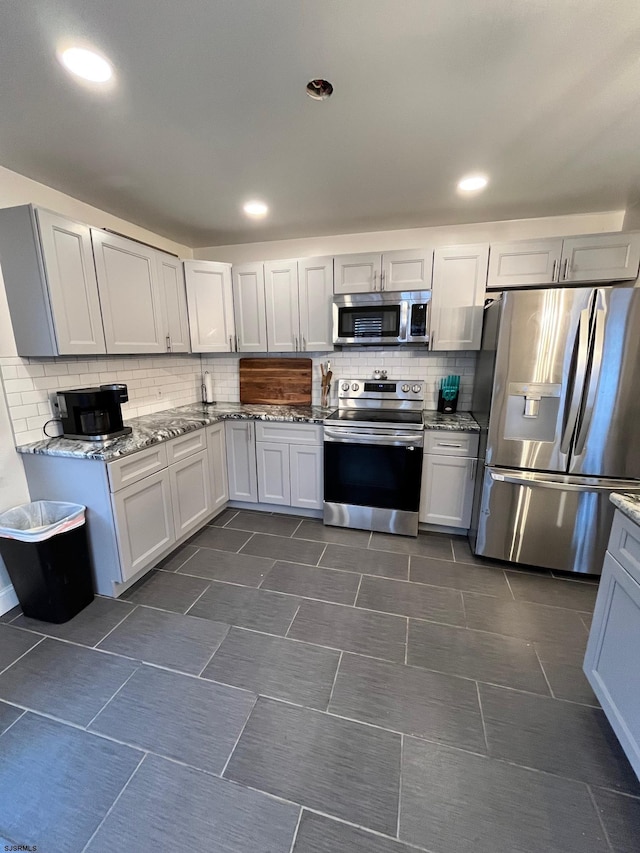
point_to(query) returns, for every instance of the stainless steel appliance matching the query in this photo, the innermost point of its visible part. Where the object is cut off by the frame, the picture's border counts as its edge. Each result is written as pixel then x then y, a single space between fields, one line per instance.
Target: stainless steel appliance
pixel 557 397
pixel 93 414
pixel 373 456
pixel 383 318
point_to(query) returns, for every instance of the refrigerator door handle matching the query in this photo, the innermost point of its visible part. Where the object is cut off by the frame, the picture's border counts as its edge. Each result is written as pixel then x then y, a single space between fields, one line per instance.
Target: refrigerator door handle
pixel 576 484
pixel 578 380
pixel 594 379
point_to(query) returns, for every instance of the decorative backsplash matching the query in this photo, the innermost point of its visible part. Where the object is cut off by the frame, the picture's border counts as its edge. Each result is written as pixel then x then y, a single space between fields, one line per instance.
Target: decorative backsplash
pixel 399 364
pixel 155 382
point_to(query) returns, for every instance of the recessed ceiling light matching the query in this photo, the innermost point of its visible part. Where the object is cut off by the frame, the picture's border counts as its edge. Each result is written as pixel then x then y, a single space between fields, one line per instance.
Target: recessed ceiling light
pixel 319 89
pixel 472 183
pixel 86 64
pixel 256 209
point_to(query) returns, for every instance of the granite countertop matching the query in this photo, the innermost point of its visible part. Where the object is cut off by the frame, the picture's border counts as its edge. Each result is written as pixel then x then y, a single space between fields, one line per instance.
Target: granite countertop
pixel 457 422
pixel 170 423
pixel 628 504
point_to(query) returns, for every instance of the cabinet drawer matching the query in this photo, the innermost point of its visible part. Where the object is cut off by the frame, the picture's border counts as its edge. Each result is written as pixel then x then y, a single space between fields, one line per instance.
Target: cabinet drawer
pixel 450 443
pixel 123 472
pixel 186 445
pixel 289 433
pixel 624 544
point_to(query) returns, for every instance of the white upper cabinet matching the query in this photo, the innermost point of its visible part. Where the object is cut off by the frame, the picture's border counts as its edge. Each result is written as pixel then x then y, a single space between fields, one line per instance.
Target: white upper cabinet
pixel 525 263
pixel 315 294
pixel 590 258
pixel 249 307
pixel 459 277
pixel 130 294
pixel 601 257
pixel 210 301
pixel 357 273
pixel 408 269
pixel 174 302
pixel 281 298
pixel 50 281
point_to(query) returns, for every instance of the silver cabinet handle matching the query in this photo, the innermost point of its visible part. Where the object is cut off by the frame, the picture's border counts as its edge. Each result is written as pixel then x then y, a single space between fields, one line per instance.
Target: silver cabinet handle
pixel 375 278
pixel 432 342
pixel 382 280
pixel 565 269
pixel 296 340
pixel 554 270
pixel 237 343
pixel 168 342
pixel 472 474
pixel 230 343
pixel 304 343
pixel 447 444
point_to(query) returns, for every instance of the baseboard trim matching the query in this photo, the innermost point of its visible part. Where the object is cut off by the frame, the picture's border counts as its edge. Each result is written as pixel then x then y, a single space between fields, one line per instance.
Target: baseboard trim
pixel 8 599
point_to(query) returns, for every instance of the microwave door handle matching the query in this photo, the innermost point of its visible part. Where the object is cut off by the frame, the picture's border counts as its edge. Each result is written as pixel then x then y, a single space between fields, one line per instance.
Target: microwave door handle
pixel 594 379
pixel 577 381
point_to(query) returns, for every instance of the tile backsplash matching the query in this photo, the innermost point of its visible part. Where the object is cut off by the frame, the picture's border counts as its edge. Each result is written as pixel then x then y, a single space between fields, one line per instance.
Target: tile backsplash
pixel 399 364
pixel 154 381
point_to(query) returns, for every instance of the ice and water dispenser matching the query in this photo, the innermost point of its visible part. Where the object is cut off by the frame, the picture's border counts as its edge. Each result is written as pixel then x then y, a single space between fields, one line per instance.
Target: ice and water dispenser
pixel 532 411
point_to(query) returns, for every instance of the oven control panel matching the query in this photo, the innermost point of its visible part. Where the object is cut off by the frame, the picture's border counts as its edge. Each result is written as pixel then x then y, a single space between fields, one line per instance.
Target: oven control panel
pixel 381 389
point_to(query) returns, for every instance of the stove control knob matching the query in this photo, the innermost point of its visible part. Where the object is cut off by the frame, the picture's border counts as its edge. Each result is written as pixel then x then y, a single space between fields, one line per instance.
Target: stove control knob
pixel 406 389
pixel 416 389
pixel 355 386
pixel 345 386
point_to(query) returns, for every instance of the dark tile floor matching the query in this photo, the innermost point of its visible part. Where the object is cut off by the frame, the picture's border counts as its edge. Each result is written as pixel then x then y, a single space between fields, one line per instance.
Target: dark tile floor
pixel 281 687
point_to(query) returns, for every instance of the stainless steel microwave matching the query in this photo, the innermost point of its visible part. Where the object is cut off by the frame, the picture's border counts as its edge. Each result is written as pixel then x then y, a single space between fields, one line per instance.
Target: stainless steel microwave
pixel 381 319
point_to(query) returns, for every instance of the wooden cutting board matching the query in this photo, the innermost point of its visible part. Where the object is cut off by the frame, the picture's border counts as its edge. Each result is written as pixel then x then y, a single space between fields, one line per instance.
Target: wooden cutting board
pixel 276 381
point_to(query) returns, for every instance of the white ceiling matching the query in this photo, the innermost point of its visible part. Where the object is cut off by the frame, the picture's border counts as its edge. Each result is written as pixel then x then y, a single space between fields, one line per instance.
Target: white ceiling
pixel 209 109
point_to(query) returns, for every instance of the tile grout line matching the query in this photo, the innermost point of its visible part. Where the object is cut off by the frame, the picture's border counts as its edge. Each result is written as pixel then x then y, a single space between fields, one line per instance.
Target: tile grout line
pixel 335 679
pixel 295 831
pixel 14 662
pixel 506 577
pixel 406 644
pixel 102 639
pixel 400 786
pixel 484 727
pixel 191 606
pixel 226 764
pixel 199 675
pixel 297 528
pixel 108 702
pixel 357 591
pixel 190 557
pixel 544 672
pixel 19 717
pixel 599 816
pixel 113 804
pixel 326 545
pixel 292 620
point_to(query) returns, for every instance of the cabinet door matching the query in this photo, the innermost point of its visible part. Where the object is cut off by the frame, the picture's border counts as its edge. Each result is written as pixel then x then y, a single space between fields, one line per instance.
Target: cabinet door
pixel 218 464
pixel 459 277
pixel 190 492
pixel 614 635
pixel 274 479
pixel 306 476
pixel 174 303
pixel 73 287
pixel 315 290
pixel 249 308
pixel 524 263
pixel 446 492
pixel 241 461
pixel 409 269
pixel 281 298
pixel 210 301
pixel 130 294
pixel 357 273
pixel 144 522
pixel 601 257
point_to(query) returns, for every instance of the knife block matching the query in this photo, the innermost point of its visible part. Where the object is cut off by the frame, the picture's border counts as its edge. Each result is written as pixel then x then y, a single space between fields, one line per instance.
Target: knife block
pixel 447 407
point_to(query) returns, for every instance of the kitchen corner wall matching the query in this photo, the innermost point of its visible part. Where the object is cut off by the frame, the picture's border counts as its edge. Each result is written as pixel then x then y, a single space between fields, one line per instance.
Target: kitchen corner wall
pixel 154 383
pixel 359 363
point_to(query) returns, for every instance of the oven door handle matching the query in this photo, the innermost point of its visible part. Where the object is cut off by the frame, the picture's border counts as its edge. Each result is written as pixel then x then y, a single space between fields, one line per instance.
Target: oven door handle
pixel 344 436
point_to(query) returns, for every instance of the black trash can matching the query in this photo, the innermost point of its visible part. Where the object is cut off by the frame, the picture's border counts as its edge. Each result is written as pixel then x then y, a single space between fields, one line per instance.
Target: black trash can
pixel 44 547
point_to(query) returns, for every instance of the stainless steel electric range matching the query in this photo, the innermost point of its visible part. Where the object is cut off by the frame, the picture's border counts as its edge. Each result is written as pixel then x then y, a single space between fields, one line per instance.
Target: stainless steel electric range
pixel 373 456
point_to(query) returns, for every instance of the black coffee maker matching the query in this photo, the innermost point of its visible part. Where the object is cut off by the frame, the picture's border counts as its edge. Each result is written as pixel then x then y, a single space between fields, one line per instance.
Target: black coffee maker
pixel 93 414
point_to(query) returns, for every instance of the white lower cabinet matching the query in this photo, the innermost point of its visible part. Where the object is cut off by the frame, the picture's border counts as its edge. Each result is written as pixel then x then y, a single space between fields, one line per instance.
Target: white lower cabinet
pixel 305 466
pixel 190 492
pixel 448 474
pixel 241 461
pixel 217 449
pixel 274 473
pixel 144 522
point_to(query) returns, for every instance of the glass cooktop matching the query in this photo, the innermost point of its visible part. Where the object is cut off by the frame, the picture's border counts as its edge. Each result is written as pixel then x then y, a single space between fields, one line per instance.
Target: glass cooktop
pixel 375 416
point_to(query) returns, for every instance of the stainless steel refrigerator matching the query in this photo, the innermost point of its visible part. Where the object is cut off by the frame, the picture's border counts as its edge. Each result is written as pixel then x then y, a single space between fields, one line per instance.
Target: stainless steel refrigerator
pixel 557 395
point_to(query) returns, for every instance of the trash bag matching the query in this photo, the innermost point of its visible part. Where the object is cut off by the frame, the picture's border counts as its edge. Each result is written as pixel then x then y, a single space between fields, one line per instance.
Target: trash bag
pixel 40 520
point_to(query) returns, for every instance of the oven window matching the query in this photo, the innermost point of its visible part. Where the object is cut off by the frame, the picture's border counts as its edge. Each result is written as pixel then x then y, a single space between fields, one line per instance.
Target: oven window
pixel 372 321
pixel 372 475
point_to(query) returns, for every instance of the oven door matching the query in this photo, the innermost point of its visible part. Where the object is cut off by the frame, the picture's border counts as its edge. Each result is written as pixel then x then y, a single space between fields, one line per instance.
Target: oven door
pixel 373 468
pixel 362 324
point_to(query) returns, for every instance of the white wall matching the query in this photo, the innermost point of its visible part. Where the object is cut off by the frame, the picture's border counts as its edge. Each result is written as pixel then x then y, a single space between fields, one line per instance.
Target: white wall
pixel 184 372
pixel 412 238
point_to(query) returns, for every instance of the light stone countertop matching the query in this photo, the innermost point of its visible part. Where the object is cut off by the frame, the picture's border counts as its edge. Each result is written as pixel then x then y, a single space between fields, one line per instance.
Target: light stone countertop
pixel 628 504
pixel 457 422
